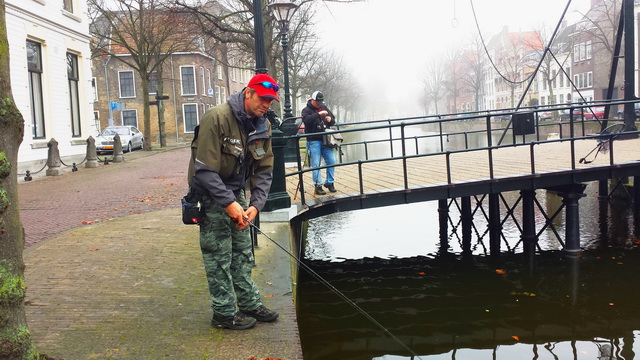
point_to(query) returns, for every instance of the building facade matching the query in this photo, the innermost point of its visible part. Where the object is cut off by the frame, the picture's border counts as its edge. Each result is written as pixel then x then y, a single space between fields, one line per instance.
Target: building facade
pixel 51 78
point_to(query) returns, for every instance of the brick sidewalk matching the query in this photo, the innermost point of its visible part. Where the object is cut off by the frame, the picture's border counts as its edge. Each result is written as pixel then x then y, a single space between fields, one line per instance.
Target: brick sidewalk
pixel 120 277
pixel 145 181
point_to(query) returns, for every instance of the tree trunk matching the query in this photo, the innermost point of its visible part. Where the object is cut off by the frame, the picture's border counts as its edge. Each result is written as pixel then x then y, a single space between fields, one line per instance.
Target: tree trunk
pixel 160 92
pixel 144 84
pixel 15 339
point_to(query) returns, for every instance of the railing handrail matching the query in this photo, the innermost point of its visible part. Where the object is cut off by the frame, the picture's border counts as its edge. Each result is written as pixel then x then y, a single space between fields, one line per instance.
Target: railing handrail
pixel 489 129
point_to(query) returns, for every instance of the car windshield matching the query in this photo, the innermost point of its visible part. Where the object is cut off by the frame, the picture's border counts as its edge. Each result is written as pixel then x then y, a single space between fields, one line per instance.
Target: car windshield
pixel 113 131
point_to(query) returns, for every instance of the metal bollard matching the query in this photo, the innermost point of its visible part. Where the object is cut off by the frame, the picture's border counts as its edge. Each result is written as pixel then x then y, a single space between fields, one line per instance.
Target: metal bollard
pixel 118 156
pixel 92 153
pixel 53 159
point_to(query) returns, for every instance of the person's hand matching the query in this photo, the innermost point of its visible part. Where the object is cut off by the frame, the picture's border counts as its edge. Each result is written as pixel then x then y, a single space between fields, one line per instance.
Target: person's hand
pixel 237 214
pixel 323 113
pixel 251 212
pixel 327 118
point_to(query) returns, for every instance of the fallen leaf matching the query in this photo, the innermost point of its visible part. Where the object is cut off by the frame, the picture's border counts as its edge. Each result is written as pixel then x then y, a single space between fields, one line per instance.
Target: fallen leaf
pixel 500 272
pixel 516 338
pixel 269 296
pixel 93 249
pixel 421 273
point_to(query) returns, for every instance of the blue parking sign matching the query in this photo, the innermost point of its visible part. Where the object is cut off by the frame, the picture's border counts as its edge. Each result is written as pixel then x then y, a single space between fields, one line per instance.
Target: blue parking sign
pixel 114 104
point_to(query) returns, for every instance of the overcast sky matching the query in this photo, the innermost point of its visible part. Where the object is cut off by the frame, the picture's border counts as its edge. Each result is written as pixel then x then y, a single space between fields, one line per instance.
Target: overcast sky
pixel 392 40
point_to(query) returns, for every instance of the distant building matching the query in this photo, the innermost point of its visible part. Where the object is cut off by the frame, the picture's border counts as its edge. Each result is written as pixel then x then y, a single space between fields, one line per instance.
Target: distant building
pixel 51 77
pixel 196 76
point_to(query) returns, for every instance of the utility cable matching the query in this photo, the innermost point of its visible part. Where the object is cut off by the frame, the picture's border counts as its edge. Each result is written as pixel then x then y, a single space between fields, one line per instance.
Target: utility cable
pixel 337 292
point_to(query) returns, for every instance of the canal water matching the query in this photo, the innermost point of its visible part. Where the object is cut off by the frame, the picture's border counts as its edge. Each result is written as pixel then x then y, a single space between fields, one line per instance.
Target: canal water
pixel 415 299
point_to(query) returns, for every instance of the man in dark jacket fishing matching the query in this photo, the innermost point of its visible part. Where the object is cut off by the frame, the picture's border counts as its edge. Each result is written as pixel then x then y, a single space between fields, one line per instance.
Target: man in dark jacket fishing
pixel 233 147
pixel 316 117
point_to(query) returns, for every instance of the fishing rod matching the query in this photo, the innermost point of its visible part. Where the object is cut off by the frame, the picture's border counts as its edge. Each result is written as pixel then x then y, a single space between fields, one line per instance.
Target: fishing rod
pixel 337 292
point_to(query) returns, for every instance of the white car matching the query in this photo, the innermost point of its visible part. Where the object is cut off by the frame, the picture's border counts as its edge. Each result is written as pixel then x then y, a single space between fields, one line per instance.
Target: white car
pixel 130 138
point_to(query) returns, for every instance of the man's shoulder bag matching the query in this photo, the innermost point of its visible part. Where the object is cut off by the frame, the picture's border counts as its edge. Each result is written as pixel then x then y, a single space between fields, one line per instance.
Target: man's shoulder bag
pixel 332 140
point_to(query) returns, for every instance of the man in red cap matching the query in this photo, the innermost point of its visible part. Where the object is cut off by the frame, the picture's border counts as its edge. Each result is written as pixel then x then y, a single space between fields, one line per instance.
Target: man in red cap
pixel 231 151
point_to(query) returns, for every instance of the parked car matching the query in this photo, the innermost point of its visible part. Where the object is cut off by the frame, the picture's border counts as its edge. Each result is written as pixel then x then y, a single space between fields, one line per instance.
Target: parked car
pixel 636 107
pixel 545 115
pixel 589 113
pixel 130 138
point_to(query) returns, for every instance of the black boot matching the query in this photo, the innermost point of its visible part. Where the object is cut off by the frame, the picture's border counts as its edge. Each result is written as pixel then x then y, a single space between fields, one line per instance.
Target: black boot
pixel 319 190
pixel 239 321
pixel 330 187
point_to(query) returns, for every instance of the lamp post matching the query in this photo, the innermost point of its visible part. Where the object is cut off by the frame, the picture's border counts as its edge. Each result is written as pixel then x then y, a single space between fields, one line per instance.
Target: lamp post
pixel 283 11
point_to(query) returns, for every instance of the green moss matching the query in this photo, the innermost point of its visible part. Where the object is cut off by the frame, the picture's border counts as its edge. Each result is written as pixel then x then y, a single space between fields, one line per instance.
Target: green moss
pixel 4 200
pixel 5 166
pixel 12 289
pixel 16 343
pixel 9 114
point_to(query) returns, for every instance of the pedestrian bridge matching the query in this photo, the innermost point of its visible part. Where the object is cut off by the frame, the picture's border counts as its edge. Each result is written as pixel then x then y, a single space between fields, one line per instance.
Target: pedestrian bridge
pixel 409 160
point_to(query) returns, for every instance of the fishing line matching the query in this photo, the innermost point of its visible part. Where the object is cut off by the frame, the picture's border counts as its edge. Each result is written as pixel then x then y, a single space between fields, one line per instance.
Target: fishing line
pixel 337 292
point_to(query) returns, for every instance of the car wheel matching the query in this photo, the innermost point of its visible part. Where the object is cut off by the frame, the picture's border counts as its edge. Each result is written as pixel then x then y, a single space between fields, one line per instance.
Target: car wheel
pixel 129 147
pixel 141 144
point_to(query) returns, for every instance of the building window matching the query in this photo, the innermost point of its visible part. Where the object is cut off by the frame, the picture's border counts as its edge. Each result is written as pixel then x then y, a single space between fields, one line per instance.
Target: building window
pixel 223 90
pixel 218 101
pixel 127 87
pixel 209 88
pixel 219 70
pixel 67 5
pixel 190 115
pixel 153 83
pixel 130 117
pixel 588 49
pixel 188 80
pixel 576 53
pixel 34 64
pixel 204 85
pixel 94 89
pixel 74 102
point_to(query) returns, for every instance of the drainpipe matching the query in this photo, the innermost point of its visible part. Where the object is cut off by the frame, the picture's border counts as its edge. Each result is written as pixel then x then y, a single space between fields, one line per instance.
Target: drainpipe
pixel 106 80
pixel 173 89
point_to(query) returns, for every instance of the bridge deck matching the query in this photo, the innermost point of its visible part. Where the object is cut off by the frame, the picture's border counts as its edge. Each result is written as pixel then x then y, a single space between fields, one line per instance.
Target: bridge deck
pixel 466 167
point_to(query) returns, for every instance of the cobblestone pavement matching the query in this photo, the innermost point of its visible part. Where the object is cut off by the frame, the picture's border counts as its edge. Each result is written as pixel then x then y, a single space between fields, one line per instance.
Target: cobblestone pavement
pixel 145 181
pixel 112 273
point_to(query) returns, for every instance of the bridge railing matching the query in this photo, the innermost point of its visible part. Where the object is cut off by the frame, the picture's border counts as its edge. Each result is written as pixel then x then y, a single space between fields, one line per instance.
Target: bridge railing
pixel 404 144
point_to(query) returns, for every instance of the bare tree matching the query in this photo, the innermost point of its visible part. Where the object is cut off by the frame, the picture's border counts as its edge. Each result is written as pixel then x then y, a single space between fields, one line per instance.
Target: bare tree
pixel 454 72
pixel 434 83
pixel 16 339
pixel 474 64
pixel 147 32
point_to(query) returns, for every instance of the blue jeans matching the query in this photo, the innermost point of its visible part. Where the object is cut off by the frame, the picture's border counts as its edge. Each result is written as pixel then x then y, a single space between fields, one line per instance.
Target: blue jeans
pixel 317 152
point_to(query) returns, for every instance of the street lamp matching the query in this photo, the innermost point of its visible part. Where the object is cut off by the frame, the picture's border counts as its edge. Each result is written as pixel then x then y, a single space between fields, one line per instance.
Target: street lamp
pixel 283 11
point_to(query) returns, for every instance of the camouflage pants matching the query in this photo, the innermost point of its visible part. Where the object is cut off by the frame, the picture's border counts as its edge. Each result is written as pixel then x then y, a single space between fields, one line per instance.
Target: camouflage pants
pixel 228 260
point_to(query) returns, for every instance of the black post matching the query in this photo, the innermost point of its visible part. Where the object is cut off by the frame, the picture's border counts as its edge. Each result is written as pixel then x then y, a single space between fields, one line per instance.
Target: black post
pixel 629 66
pixel 443 217
pixel 572 233
pixel 467 222
pixel 495 226
pixel 287 94
pixel 278 196
pixel 528 222
pixel 258 29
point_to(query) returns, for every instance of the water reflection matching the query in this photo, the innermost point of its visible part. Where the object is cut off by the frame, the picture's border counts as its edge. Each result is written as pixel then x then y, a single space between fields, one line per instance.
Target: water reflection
pixel 443 305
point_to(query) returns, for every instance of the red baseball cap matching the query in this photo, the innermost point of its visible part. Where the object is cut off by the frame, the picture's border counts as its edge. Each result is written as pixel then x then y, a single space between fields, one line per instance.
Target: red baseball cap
pixel 265 86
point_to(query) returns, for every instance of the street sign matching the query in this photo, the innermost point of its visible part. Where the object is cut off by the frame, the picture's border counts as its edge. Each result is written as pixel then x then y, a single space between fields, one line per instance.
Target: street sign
pixel 114 105
pixel 210 91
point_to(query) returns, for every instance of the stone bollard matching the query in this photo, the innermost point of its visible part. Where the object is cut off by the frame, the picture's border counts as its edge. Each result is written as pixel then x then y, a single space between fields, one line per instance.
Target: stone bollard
pixel 53 159
pixel 92 153
pixel 118 156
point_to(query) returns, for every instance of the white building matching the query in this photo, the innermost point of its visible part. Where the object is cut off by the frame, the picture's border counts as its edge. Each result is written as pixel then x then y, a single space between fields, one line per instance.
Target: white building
pixel 51 77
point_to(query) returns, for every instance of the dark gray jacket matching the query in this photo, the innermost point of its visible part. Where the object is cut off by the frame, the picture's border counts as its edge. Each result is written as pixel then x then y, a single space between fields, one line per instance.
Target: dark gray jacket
pixel 313 122
pixel 230 149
